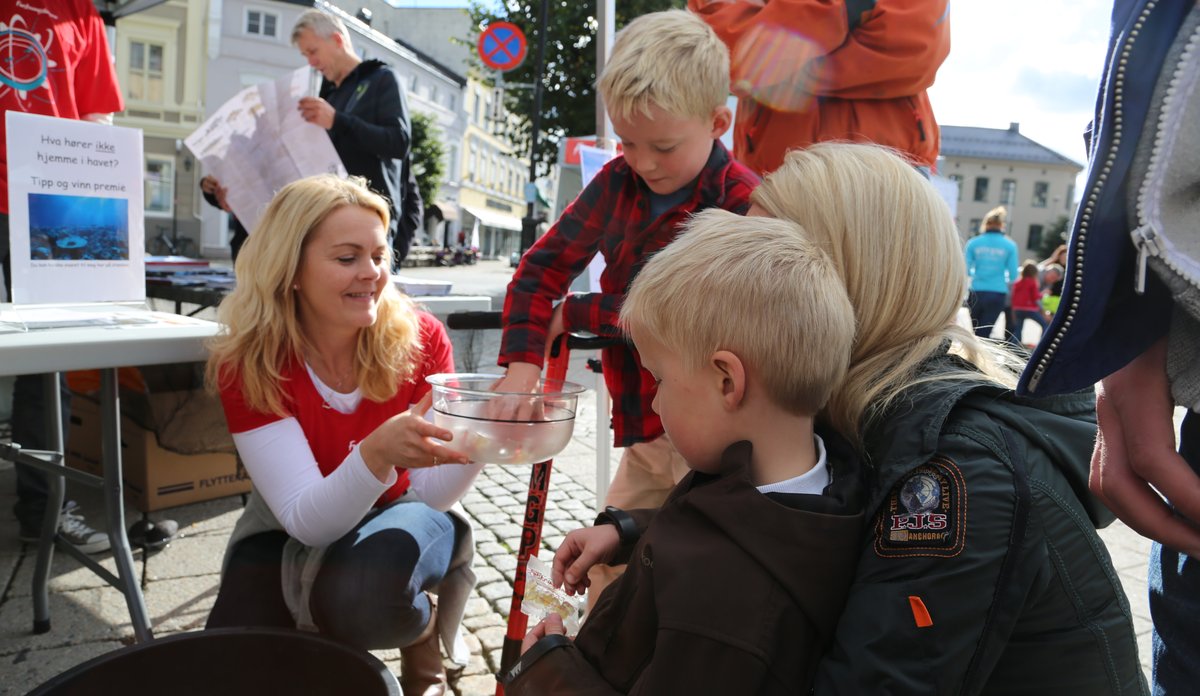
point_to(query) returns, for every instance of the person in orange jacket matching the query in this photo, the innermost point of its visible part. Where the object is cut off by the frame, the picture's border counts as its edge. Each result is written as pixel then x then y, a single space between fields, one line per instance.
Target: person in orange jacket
pixel 806 71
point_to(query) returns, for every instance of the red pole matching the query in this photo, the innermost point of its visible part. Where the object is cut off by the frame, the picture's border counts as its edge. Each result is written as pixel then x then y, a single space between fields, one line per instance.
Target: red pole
pixel 531 533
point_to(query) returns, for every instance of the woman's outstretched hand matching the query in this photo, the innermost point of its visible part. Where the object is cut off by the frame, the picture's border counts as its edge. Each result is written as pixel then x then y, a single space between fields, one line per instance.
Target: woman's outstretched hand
pixel 408 441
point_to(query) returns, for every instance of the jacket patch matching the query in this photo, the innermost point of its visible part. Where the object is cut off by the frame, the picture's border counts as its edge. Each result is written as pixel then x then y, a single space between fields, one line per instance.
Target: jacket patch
pixel 925 513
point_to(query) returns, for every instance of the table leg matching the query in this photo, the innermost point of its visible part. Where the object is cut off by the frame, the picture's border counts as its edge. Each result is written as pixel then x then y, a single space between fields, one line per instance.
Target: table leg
pixel 54 502
pixel 114 504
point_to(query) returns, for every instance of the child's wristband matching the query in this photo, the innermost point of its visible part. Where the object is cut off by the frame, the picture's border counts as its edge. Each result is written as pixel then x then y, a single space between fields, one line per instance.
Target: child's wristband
pixel 627 530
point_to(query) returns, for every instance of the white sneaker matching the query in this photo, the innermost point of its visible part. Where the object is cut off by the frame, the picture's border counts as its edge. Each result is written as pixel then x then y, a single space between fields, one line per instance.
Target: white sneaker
pixel 73 528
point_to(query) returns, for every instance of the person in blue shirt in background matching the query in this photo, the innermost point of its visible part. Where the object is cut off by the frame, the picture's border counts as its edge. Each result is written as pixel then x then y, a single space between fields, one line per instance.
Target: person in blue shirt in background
pixel 992 265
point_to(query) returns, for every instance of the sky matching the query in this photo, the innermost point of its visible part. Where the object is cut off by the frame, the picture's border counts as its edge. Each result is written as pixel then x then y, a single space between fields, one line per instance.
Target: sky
pixel 1035 62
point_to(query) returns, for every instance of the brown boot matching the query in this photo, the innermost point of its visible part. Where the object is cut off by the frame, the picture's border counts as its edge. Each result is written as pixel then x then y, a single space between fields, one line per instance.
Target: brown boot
pixel 421 670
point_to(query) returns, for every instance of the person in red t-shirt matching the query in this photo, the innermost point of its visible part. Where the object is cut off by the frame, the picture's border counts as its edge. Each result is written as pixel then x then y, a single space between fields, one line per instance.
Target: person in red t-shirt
pixel 1027 300
pixel 321 369
pixel 62 68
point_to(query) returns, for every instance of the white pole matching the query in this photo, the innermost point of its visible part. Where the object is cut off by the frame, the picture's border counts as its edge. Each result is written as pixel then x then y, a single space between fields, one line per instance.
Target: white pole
pixel 605 19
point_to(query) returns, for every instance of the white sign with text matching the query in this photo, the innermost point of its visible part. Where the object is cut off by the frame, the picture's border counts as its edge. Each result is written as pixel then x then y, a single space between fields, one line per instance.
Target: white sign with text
pixel 76 219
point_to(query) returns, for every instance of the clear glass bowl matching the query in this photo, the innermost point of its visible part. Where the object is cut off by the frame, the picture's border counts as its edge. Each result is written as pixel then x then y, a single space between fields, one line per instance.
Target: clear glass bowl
pixel 504 427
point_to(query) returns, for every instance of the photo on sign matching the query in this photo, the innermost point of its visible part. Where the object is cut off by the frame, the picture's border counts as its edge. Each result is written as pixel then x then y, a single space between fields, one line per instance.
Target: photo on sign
pixel 78 228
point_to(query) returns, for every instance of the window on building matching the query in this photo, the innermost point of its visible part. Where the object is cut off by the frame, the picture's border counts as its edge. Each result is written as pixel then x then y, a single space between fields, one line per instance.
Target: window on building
pixel 1070 196
pixel 452 173
pixel 957 179
pixel 471 162
pixel 433 93
pixel 451 101
pixel 412 84
pixel 476 104
pixel 1035 237
pixel 146 71
pixel 1008 192
pixel 975 227
pixel 1041 190
pixel 160 186
pixel 981 188
pixel 261 23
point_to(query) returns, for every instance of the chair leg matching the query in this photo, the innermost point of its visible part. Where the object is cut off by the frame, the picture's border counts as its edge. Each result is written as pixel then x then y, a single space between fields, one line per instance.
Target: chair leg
pixel 421 670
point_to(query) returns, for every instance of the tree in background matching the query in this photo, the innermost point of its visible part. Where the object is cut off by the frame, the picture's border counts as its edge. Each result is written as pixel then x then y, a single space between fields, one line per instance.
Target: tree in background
pixel 428 156
pixel 569 77
pixel 1053 236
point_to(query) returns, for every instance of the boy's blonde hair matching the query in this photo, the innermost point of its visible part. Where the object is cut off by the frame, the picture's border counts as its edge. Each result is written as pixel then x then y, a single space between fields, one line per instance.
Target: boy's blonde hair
pixel 669 59
pixel 261 330
pixel 893 242
pixel 995 217
pixel 323 25
pixel 756 287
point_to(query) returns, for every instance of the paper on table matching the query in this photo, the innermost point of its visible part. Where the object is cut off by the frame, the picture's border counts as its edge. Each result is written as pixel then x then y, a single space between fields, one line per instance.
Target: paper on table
pixel 33 317
pixel 257 143
pixel 56 318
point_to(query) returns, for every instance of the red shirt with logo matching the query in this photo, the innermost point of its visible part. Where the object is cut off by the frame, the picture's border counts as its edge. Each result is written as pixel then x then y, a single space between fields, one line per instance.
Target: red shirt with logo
pixel 332 434
pixel 54 61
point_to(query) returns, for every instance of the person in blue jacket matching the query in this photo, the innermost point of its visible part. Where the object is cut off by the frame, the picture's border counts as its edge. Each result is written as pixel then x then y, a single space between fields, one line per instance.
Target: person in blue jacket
pixel 992 265
pixel 1130 310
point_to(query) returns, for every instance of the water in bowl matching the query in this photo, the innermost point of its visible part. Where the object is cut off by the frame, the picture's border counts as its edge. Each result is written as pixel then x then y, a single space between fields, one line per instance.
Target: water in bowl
pixel 504 442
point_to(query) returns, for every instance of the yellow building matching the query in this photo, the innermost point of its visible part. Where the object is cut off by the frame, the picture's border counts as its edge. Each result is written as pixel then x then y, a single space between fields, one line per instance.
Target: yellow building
pixel 161 63
pixel 492 177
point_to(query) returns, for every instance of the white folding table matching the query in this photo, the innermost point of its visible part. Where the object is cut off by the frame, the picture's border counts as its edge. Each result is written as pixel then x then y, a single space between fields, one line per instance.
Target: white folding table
pixel 137 337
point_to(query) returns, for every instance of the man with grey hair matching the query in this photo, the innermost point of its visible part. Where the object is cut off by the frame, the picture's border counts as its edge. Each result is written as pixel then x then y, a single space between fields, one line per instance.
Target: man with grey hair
pixel 362 106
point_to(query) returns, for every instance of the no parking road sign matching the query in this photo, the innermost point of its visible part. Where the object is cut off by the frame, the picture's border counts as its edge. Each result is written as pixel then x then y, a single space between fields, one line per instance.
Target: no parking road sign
pixel 502 46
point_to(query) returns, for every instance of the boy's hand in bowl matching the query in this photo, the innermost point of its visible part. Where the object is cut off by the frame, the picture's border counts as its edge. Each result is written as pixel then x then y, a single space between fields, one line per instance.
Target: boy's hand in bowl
pixel 519 379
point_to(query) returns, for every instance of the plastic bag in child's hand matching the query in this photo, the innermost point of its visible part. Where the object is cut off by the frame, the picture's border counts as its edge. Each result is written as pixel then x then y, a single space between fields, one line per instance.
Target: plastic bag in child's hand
pixel 542 598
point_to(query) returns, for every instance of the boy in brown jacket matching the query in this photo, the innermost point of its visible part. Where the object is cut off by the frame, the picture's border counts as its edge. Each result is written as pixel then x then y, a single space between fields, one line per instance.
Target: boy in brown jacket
pixel 737 583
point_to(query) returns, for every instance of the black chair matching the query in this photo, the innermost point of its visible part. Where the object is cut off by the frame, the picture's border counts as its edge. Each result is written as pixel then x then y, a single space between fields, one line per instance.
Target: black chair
pixel 229 662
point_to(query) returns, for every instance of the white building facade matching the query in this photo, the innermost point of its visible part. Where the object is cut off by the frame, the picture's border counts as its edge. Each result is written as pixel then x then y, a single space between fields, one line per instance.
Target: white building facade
pixel 249 41
pixel 994 167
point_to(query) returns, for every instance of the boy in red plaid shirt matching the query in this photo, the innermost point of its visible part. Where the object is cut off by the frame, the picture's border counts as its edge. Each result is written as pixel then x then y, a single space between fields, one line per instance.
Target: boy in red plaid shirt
pixel 664 88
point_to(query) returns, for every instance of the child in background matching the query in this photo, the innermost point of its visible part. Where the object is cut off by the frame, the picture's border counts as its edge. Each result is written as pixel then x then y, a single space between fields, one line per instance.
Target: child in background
pixel 1027 300
pixel 664 88
pixel 739 580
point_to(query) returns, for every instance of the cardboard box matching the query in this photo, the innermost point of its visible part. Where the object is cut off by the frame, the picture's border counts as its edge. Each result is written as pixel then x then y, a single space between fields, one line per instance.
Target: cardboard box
pixel 154 478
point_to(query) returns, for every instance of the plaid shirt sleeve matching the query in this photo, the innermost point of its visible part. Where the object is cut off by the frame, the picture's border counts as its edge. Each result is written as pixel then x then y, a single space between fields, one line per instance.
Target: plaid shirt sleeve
pixel 547 269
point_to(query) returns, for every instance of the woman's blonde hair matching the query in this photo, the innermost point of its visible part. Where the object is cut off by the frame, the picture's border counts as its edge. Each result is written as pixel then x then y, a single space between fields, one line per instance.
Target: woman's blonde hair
pixel 754 286
pixel 261 331
pixel 669 59
pixel 995 217
pixel 894 244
